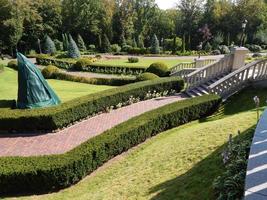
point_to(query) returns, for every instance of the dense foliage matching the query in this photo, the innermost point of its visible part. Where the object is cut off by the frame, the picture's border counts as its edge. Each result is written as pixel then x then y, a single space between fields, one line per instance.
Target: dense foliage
pixel 90 66
pixel 158 68
pixel 49 46
pixel 71 111
pixel 52 72
pixel 231 183
pixel 147 76
pixel 48 173
pixel 131 23
pixel 73 50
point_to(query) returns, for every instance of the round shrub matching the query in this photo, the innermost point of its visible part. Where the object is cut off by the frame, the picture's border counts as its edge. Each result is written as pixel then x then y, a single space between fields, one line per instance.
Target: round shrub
pixel 49 71
pixel 158 68
pixel 133 60
pixel 224 49
pixel 115 48
pixel 216 52
pixel 13 64
pixel 146 76
pixel 81 64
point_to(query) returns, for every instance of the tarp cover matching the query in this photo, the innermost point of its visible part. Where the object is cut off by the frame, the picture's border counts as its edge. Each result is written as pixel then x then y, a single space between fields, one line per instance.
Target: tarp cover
pixel 33 90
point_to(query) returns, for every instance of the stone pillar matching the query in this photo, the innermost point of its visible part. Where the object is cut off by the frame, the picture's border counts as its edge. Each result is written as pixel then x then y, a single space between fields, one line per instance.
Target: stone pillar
pixel 200 62
pixel 239 54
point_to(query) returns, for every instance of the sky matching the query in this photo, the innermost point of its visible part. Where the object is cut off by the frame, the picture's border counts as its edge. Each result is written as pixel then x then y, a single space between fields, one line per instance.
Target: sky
pixel 165 4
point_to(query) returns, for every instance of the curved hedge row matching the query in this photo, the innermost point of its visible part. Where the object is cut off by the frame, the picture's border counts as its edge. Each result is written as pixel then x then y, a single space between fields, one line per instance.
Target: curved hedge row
pixel 48 173
pixel 95 68
pixel 52 118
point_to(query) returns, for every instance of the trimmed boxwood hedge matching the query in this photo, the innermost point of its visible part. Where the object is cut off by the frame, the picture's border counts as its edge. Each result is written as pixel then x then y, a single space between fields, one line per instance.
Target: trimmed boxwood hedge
pixel 52 118
pixel 93 67
pixel 49 173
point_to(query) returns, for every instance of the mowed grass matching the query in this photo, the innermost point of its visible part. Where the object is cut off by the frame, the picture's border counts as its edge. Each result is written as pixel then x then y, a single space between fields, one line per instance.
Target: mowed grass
pixel 143 62
pixel 177 164
pixel 66 90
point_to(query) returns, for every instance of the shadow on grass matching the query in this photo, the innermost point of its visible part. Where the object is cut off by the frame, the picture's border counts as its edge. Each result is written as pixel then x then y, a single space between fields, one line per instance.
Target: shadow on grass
pixel 7 103
pixel 197 182
pixel 240 102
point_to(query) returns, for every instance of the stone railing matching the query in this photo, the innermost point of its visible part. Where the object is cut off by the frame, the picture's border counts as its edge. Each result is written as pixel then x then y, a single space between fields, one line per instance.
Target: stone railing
pixel 209 72
pixel 184 72
pixel 181 66
pixel 191 65
pixel 239 79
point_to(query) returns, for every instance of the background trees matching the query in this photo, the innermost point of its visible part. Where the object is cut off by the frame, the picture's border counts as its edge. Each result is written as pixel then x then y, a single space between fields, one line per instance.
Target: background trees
pixel 129 22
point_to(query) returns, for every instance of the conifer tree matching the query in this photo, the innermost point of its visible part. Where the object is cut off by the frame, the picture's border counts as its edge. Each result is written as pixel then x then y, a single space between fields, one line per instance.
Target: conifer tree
pixel 81 43
pixel 50 47
pixel 155 45
pixel 73 51
pixel 105 46
pixel 140 42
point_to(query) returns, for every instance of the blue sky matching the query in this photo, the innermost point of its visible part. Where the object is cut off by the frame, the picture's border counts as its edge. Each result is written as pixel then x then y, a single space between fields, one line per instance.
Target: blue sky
pixel 165 4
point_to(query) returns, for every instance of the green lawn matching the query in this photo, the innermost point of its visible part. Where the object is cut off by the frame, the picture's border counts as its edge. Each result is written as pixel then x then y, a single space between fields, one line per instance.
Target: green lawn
pixel 143 62
pixel 178 164
pixel 66 90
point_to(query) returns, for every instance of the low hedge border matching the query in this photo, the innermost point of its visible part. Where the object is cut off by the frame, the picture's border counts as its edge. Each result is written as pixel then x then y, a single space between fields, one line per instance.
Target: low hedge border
pixel 49 173
pixel 95 68
pixel 66 113
pixel 120 81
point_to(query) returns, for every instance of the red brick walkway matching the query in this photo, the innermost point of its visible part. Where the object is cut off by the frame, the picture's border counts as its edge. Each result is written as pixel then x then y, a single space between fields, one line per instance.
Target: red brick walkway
pixel 67 139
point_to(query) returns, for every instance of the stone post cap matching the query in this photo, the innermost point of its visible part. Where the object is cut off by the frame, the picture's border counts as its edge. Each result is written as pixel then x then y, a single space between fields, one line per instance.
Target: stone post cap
pixel 239 49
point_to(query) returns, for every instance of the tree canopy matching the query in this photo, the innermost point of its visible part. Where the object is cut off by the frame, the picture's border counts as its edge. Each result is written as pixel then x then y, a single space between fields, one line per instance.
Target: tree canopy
pixel 128 22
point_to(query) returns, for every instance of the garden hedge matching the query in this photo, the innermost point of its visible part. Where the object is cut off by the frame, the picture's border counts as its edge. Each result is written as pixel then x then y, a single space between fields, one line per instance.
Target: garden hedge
pixel 48 173
pixel 93 67
pixel 52 118
pixel 52 72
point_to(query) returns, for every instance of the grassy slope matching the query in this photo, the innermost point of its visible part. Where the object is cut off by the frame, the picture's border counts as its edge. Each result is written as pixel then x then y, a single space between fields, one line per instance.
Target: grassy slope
pixel 145 62
pixel 66 90
pixel 178 164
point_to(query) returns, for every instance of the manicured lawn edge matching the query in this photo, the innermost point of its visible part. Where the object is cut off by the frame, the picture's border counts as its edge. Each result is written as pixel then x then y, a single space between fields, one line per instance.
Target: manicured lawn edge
pixel 95 68
pixel 52 118
pixel 49 173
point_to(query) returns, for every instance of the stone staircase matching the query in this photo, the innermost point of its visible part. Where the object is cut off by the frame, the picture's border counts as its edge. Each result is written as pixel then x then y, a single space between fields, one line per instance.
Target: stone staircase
pixel 223 77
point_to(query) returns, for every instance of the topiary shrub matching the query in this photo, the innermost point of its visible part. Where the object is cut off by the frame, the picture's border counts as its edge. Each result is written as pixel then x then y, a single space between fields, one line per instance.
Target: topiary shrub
pixel 146 76
pixel 133 60
pixel 50 47
pixel 81 43
pixel 73 51
pixel 13 64
pixel 81 64
pixel 216 52
pixel 115 48
pixel 208 47
pixel 155 45
pixel 59 45
pixel 48 71
pixel 224 49
pixel 158 68
pixel 105 45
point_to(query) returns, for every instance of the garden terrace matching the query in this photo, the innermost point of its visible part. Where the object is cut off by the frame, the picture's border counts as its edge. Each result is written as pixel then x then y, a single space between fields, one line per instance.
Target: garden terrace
pixel 46 173
pixel 77 109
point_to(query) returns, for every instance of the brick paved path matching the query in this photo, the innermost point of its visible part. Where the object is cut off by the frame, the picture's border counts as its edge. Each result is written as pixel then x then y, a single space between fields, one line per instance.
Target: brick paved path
pixel 67 139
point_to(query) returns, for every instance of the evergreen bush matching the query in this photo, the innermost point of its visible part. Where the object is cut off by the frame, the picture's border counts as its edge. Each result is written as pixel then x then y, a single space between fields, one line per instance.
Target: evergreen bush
pixel 81 43
pixel 49 71
pixel 155 49
pixel 158 68
pixel 49 46
pixel 147 76
pixel 59 45
pixel 73 51
pixel 105 45
pixel 115 48
pixel 65 42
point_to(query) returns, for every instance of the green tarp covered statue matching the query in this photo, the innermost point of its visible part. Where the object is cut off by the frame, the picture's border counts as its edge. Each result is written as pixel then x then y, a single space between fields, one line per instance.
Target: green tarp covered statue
pixel 33 90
